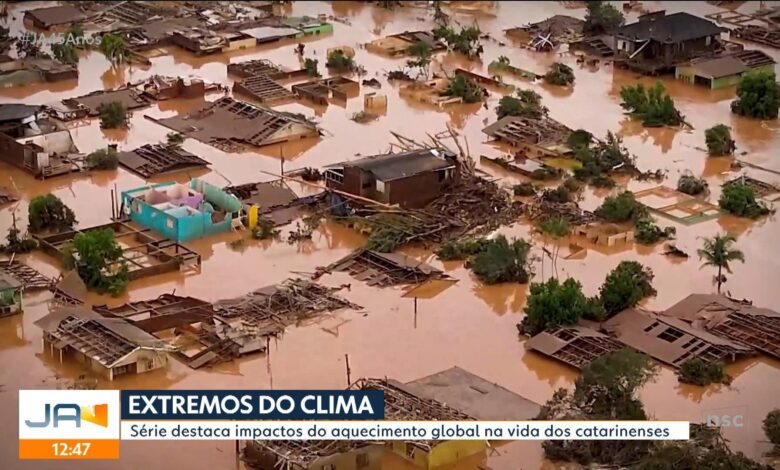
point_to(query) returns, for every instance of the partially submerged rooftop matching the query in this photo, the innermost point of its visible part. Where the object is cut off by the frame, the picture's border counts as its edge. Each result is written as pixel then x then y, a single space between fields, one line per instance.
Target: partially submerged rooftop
pixel 576 346
pixel 47 17
pixel 384 269
pixel 474 395
pixel 157 159
pixel 27 276
pixel 670 340
pixel 129 98
pixel 232 125
pixel 734 320
pixel 105 340
pixel 263 67
pixel 545 134
pixel 401 165
pixel 669 29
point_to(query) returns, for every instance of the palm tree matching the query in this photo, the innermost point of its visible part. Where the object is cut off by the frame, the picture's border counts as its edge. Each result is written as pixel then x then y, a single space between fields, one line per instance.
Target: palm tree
pixel 717 252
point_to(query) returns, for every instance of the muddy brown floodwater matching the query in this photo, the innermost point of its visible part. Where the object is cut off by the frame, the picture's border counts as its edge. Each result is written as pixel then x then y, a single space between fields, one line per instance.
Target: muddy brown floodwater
pixel 470 325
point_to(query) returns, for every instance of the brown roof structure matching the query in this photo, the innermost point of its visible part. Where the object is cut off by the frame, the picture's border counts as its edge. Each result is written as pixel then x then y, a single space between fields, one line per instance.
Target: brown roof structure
pixel 384 269
pixel 398 44
pixel 275 200
pixel 129 98
pixel 544 133
pixel 157 159
pixel 474 395
pixel 671 340
pixel 47 17
pixel 737 321
pixel 27 276
pixel 556 26
pixel 105 340
pixel 576 346
pixel 262 89
pixel 232 125
pixel 320 91
pixel 265 67
pixel 162 313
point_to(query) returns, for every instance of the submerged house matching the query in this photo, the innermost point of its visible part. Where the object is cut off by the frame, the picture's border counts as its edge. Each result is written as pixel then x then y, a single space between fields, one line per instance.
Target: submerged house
pixel 107 346
pixel 34 143
pixel 403 402
pixel 657 42
pixel 723 71
pixel 10 295
pixel 734 320
pixel 409 179
pixel 182 212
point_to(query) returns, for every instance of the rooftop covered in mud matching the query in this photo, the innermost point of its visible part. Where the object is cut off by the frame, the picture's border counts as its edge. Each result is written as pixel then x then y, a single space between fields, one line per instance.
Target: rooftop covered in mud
pixel 734 320
pixel 322 90
pixel 546 135
pixel 384 269
pixel 273 200
pixel 27 276
pixel 157 159
pixel 398 44
pixel 576 346
pixel 45 18
pixel 670 340
pixel 251 68
pixel 231 125
pixel 109 346
pixel 262 89
pixel 129 98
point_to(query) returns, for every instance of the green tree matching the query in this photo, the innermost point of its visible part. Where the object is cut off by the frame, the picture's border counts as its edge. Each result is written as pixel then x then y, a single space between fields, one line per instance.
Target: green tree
pixel 621 208
pixel 719 141
pixel 503 261
pixel 697 372
pixel 97 258
pixel 556 228
pixel 772 427
pixel 103 159
pixel 524 189
pixel 758 95
pixel 339 61
pixel 717 252
pixel 692 185
pixel 48 212
pixel 114 48
pixel 311 67
pixel 421 52
pixel 559 74
pixel 16 243
pixel 652 105
pixel 598 161
pixel 65 53
pixel 174 139
pixel 464 88
pixel 528 103
pixel 625 286
pixel 647 232
pixel 602 17
pixel 740 199
pixel 113 115
pixel 606 390
pixel 551 304
pixel 461 249
pixel 465 41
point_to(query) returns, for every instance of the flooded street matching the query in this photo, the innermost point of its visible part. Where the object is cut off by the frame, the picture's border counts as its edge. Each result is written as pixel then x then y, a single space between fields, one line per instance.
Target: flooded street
pixel 469 325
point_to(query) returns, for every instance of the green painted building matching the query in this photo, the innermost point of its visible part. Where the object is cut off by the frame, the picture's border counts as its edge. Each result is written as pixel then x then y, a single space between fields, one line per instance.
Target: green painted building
pixel 308 25
pixel 724 71
pixel 10 295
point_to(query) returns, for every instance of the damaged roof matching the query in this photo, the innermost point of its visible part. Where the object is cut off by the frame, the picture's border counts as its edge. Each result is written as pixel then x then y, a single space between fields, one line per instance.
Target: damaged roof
pixel 51 16
pixel 670 340
pixel 106 340
pixel 230 124
pixel 396 166
pixel 720 67
pixel 575 345
pixel 156 159
pixel 130 99
pixel 8 282
pixel 677 27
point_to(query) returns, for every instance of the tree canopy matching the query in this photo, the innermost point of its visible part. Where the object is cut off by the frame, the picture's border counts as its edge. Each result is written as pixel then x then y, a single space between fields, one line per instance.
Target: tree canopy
pixel 621 208
pixel 97 258
pixel 465 41
pixel 103 159
pixel 692 185
pixel 625 286
pixel 113 115
pixel 652 105
pixel 758 95
pixel 559 74
pixel 740 199
pixel 528 103
pixel 502 260
pixel 719 141
pixel 602 17
pixel 464 88
pixel 551 304
pixel 48 212
pixel 114 48
pixel 421 53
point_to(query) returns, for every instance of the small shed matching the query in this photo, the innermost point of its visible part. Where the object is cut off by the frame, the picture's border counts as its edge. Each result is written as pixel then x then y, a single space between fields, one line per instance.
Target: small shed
pixel 10 295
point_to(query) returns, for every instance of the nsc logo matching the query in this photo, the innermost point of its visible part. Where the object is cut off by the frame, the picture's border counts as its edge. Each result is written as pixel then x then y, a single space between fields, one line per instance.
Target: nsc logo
pixel 79 414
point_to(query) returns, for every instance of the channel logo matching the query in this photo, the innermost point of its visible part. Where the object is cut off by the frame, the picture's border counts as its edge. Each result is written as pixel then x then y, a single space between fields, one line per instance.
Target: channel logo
pixel 55 415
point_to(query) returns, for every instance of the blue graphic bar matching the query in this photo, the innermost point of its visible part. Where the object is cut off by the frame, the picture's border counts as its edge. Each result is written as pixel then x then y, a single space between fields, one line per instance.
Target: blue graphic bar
pixel 253 404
